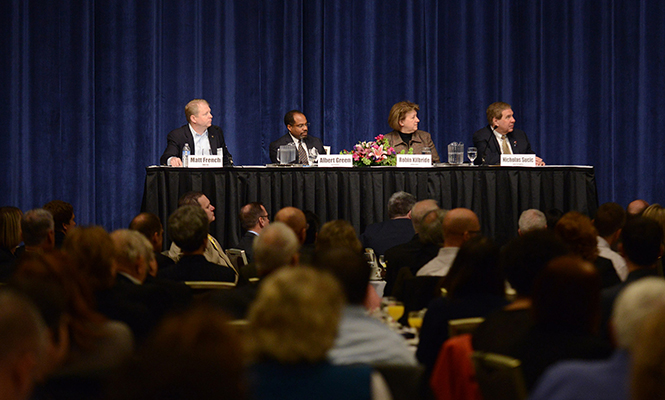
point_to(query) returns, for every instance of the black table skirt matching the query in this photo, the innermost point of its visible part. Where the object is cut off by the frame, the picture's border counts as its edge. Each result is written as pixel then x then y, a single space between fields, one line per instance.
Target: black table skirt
pixel 360 195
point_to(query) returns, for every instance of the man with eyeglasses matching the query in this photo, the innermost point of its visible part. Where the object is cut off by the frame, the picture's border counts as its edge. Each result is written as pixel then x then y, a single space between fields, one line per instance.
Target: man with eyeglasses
pixel 253 218
pixel 298 127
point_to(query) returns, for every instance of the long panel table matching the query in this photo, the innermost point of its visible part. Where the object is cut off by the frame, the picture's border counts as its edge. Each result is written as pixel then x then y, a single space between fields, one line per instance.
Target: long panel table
pixel 360 195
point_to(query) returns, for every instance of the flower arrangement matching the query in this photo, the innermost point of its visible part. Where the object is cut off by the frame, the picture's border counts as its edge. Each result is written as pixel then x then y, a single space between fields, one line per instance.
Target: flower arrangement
pixel 378 152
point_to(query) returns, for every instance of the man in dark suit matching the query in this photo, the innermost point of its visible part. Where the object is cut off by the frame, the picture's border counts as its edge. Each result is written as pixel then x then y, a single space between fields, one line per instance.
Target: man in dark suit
pixel 149 225
pixel 500 136
pixel 199 128
pixel 298 127
pixel 253 218
pixel 397 230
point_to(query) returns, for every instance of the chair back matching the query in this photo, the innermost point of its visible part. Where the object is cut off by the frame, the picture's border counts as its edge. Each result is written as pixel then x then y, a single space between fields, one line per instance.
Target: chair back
pixel 201 290
pixel 463 325
pixel 237 257
pixel 404 381
pixel 499 377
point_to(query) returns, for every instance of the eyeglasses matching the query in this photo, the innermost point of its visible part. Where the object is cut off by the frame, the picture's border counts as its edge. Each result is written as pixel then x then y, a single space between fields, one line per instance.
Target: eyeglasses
pixel 267 216
pixel 300 126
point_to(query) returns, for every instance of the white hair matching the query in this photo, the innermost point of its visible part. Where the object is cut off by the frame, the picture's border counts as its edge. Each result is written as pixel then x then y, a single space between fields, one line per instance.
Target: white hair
pixel 531 220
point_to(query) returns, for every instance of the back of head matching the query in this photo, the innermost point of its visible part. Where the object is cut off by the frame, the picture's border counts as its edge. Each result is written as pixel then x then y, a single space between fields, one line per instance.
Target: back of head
pixel 188 227
pixel 399 204
pixel 249 215
pixel 295 316
pixel 648 355
pixel 641 240
pixel 62 212
pixel 190 199
pixel 10 227
pixel 35 226
pixel 553 216
pixel 525 257
pixel 419 211
pixel 275 247
pixel 656 213
pixel 457 223
pixel 610 217
pixel 566 296
pixel 313 225
pixel 193 354
pixel 350 268
pixel 338 233
pixel 579 234
pixel 131 247
pixel 476 270
pixel 431 227
pixel 93 254
pixel 636 208
pixel 633 305
pixel 295 219
pixel 147 224
pixel 531 220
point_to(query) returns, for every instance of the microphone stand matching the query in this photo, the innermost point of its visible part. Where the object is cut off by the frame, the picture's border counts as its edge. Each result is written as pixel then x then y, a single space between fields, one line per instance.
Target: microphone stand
pixel 487 143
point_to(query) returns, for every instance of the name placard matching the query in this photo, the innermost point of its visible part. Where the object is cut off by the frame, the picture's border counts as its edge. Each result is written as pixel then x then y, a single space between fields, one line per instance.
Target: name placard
pixel 205 161
pixel 336 160
pixel 414 160
pixel 518 160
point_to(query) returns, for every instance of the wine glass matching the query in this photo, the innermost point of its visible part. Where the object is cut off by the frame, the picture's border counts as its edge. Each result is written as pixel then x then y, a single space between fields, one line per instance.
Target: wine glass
pixel 416 319
pixel 313 156
pixel 472 153
pixel 395 309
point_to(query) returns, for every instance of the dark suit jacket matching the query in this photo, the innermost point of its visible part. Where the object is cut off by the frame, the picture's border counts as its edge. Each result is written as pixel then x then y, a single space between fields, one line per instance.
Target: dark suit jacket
pixel 310 142
pixel 246 242
pixel 383 235
pixel 484 139
pixel 412 254
pixel 177 138
pixel 197 268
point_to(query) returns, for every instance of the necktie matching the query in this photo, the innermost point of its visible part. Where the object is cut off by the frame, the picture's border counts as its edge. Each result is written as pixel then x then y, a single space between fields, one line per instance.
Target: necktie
pixel 302 154
pixel 505 149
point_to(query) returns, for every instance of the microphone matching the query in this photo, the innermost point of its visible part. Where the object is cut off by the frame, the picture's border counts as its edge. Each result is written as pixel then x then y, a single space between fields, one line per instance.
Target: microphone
pixel 487 143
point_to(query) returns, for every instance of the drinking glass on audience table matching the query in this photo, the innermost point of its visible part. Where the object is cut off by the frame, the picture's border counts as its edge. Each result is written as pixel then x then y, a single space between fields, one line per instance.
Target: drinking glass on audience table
pixel 472 153
pixel 416 319
pixel 395 309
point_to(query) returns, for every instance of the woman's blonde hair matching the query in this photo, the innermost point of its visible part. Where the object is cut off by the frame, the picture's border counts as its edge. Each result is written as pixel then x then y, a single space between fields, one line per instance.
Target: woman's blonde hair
pixel 10 227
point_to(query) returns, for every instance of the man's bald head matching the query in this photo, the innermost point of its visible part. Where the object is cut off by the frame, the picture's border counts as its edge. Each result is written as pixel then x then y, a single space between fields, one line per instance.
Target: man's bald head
pixel 295 219
pixel 418 212
pixel 636 207
pixel 459 225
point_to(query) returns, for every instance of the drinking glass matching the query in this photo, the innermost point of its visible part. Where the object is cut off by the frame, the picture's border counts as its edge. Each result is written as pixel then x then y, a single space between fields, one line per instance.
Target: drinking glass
pixel 395 309
pixel 286 154
pixel 472 153
pixel 416 319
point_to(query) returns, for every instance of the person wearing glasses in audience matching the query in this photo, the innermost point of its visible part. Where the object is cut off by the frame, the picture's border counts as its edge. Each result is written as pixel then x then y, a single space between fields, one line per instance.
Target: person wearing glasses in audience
pixel 403 118
pixel 298 128
pixel 253 218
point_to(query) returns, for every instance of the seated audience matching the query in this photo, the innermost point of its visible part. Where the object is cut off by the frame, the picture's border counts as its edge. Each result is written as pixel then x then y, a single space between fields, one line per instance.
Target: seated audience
pixel 553 216
pixel 578 232
pixel 531 220
pixel 475 286
pixel 293 323
pixel 253 218
pixel 396 230
pixel 636 208
pixel 336 234
pixel 37 231
pixel 23 341
pixel 63 219
pixel 10 238
pixel 361 339
pixel 607 379
pixel 566 298
pixel 647 375
pixel 149 225
pixel 188 227
pixel 423 246
pixel 459 225
pixel 295 219
pixel 192 355
pixel 609 220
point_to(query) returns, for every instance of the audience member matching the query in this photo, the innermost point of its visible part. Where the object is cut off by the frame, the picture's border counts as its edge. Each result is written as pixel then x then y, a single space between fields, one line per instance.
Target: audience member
pixel 37 231
pixel 63 219
pixel 295 219
pixel 566 298
pixel 657 213
pixel 578 232
pixel 23 338
pixel 149 225
pixel 636 208
pixel 253 218
pixel 609 220
pixel 422 247
pixel 522 259
pixel 647 375
pixel 10 238
pixel 607 379
pixel 475 285
pixel 641 246
pixel 192 355
pixel 309 245
pixel 459 225
pixel 336 234
pixel 553 216
pixel 213 252
pixel 361 339
pixel 531 220
pixel 188 227
pixel 396 230
pixel 276 247
pixel 293 324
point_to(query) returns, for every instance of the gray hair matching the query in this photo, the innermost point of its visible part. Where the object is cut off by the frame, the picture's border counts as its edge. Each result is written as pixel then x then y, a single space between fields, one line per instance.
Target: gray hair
pixel 400 203
pixel 274 247
pixel 188 227
pixel 432 227
pixel 35 226
pixel 531 220
pixel 632 307
pixel 131 245
pixel 419 211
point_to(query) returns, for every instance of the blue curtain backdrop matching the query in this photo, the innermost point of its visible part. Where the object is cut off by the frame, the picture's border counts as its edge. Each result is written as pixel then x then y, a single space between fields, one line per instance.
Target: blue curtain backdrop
pixel 91 88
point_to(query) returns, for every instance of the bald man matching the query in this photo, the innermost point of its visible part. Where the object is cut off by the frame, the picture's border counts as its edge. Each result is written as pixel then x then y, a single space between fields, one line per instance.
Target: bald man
pixel 295 219
pixel 459 225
